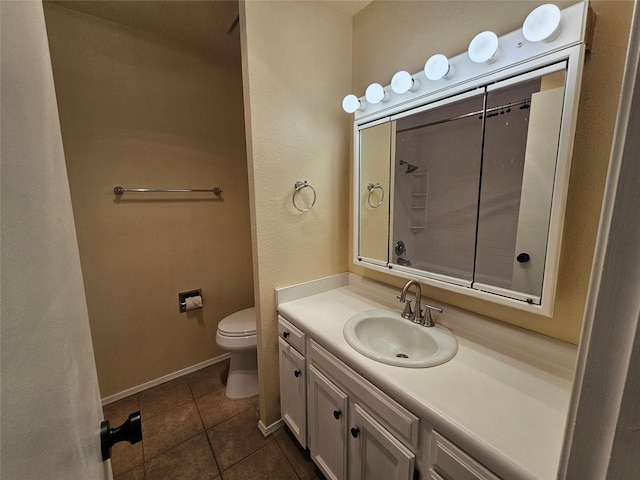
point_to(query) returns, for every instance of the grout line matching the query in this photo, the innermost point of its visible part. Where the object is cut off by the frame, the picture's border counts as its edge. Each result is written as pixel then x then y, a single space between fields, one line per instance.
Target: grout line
pixel 242 458
pixel 248 455
pixel 205 431
pixel 173 446
pixel 215 459
pixel 172 407
pixel 287 458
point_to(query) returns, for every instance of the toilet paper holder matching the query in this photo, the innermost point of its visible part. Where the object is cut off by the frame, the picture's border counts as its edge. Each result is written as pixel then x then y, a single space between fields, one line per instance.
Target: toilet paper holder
pixel 195 303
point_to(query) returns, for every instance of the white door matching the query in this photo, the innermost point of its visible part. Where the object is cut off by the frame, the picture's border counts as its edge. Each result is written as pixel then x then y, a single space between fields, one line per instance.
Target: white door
pixel 51 409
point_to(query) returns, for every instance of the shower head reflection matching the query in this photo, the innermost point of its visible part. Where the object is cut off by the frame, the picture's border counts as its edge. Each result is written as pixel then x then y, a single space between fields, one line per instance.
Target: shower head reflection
pixel 408 168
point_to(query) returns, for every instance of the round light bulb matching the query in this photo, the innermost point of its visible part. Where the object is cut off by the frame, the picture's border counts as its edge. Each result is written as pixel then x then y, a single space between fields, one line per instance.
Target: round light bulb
pixel 542 24
pixel 403 82
pixel 438 67
pixel 484 48
pixel 375 94
pixel 351 103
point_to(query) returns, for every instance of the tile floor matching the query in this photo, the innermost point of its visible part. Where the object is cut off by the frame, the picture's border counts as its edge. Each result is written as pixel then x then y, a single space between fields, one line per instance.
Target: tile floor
pixel 191 431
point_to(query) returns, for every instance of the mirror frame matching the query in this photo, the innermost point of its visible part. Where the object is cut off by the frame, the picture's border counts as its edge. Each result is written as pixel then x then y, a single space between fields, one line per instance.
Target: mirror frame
pixel 518 57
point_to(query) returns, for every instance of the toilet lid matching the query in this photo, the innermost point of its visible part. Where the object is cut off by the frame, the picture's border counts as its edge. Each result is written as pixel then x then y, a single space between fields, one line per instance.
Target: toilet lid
pixel 239 324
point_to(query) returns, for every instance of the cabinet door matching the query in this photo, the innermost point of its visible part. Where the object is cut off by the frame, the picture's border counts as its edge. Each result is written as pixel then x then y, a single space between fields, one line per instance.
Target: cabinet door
pixel 374 453
pixel 327 425
pixel 293 391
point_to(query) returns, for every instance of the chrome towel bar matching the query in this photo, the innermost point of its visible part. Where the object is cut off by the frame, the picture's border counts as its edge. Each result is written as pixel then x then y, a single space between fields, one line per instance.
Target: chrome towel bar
pixel 120 190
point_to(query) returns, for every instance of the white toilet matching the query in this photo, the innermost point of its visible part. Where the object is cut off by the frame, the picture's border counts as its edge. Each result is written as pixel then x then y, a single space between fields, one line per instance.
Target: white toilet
pixel 237 334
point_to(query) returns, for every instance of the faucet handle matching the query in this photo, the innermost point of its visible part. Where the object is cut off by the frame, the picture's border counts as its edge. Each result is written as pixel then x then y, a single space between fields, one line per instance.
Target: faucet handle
pixel 431 307
pixel 407 312
pixel 426 315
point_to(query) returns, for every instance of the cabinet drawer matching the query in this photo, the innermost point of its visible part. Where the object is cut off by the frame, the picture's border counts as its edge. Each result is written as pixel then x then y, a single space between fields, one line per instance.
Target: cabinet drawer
pixel 387 411
pixel 452 463
pixel 292 335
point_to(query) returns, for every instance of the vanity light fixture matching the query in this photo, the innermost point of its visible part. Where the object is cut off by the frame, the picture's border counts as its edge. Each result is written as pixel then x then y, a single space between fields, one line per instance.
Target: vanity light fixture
pixel 403 82
pixel 351 103
pixel 542 24
pixel 376 93
pixel 438 67
pixel 484 48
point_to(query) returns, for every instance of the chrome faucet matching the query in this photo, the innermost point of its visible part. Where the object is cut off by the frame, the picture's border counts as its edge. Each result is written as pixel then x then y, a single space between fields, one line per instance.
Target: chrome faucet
pixel 417 315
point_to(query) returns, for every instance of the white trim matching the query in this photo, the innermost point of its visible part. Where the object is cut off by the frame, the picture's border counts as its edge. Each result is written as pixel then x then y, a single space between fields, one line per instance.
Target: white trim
pixel 380 121
pixel 570 58
pixel 312 287
pixel 542 310
pixel 533 74
pixel 507 292
pixel 429 273
pixel 479 91
pixel 274 427
pixel 164 379
pixel 601 438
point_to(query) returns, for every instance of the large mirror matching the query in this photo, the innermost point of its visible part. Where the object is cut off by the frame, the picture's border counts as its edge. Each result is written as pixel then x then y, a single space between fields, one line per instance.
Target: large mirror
pixel 461 191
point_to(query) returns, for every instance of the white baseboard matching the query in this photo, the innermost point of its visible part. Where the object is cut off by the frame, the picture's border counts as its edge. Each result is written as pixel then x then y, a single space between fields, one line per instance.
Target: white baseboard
pixel 274 427
pixel 164 379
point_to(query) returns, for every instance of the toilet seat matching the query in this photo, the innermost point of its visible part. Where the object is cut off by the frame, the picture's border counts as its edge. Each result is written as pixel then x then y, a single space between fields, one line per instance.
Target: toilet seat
pixel 239 324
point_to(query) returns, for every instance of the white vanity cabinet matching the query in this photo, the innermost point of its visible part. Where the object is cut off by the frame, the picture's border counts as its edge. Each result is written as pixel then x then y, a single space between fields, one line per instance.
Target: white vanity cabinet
pixel 293 379
pixel 494 411
pixel 355 430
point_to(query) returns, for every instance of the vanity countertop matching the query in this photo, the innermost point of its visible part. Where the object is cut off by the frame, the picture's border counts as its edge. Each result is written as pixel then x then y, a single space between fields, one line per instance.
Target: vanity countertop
pixel 504 397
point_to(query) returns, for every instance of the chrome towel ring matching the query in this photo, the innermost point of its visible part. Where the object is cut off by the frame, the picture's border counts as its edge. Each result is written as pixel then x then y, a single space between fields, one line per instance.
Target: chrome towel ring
pixel 371 187
pixel 298 187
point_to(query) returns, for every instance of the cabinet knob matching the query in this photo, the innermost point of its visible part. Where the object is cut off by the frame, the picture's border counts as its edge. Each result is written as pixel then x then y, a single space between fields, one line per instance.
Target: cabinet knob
pixel 285 334
pixel 523 258
pixel 355 431
pixel 296 373
pixel 336 414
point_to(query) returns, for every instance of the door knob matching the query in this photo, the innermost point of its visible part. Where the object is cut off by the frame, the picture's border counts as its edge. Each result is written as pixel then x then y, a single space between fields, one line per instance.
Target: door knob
pixel 130 430
pixel 336 414
pixel 355 431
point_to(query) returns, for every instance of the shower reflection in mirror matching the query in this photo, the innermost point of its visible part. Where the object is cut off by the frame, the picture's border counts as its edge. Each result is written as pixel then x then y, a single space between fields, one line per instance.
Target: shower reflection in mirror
pixel 471 183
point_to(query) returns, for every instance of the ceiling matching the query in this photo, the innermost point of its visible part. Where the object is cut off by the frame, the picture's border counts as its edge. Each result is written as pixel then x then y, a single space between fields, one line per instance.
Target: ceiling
pixel 203 25
pixel 350 7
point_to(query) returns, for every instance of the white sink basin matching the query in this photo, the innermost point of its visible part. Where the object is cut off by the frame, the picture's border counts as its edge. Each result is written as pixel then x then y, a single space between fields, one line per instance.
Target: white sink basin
pixel 384 336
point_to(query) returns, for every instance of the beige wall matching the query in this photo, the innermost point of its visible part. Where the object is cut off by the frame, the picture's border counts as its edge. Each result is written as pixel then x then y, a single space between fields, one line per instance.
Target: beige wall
pixel 141 111
pixel 392 36
pixel 296 66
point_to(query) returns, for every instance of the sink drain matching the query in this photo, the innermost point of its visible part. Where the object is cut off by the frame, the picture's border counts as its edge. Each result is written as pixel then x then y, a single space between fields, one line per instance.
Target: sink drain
pixel 402 355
